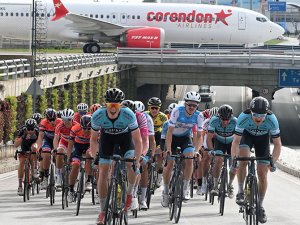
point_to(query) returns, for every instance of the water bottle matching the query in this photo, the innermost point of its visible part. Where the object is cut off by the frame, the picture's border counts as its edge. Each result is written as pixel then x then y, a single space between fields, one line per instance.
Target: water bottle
pixel 119 196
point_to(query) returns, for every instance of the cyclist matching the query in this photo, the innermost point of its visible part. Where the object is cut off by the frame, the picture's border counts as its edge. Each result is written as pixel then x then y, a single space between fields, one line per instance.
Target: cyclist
pixel 158 118
pixel 82 109
pixel 61 140
pixel 118 127
pixel 183 118
pixel 26 140
pixel 79 144
pixel 94 107
pixel 221 129
pixel 45 142
pixel 254 126
pixel 37 117
pixel 142 124
pixel 204 165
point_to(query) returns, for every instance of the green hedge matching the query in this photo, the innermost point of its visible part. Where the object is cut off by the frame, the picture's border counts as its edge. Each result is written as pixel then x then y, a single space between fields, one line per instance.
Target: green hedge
pixel 12 101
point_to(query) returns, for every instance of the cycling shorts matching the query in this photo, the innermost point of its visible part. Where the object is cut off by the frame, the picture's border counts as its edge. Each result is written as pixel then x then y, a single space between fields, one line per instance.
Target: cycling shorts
pixel 47 144
pixel 157 137
pixel 79 150
pixel 225 148
pixel 185 143
pixel 63 144
pixel 261 144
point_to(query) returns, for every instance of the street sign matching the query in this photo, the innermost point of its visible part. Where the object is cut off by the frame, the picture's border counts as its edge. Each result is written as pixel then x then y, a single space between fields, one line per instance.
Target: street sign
pixel 277 6
pixel 289 78
pixel 34 88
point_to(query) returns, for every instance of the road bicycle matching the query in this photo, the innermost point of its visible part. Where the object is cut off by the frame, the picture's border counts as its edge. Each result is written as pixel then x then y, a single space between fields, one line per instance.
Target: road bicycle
pixel 176 185
pixel 116 195
pixel 192 181
pixel 65 182
pixel 250 208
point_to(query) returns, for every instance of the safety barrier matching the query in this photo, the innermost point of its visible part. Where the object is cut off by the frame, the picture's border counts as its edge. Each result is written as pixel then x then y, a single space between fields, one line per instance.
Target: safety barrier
pixel 17 68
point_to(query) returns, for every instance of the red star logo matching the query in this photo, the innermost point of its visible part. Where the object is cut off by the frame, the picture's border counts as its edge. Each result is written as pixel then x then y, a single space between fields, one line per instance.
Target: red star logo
pixel 221 16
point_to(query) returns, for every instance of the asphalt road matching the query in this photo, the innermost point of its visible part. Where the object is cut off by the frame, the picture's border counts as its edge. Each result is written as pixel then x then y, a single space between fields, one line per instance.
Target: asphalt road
pixel 281 204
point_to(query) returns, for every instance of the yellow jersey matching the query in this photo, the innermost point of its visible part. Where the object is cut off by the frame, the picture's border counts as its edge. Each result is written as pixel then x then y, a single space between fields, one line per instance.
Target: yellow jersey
pixel 158 120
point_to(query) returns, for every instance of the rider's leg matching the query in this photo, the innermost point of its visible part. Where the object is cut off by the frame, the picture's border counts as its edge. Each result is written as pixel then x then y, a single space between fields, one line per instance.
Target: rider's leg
pixel 104 173
pixel 21 169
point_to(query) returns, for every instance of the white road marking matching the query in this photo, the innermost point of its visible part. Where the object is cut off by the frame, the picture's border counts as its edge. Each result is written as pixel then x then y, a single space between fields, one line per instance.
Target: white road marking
pixel 291 90
pixel 296 107
pixel 293 99
pixel 299 116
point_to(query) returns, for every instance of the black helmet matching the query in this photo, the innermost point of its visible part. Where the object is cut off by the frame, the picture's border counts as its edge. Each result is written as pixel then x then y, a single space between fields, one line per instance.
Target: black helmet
pixel 114 95
pixel 30 124
pixel 85 122
pixel 154 101
pixel 259 105
pixel 37 117
pixel 50 114
pixel 225 111
pixel 130 104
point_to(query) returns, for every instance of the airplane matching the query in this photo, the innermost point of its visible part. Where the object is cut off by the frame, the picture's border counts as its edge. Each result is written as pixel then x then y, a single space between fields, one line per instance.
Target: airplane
pixel 139 25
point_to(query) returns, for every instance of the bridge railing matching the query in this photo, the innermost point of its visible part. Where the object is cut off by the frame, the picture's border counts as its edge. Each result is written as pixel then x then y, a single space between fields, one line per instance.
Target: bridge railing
pixel 16 68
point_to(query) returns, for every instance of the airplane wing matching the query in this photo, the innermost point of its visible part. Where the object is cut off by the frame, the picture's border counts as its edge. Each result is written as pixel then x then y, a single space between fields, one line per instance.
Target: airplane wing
pixel 86 25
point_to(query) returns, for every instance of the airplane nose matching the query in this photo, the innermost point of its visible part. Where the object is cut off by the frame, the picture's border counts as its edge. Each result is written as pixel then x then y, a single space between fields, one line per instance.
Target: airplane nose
pixel 276 30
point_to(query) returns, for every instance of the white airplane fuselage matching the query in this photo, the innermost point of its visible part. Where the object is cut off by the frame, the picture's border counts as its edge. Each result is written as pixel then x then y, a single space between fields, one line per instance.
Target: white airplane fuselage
pixel 182 23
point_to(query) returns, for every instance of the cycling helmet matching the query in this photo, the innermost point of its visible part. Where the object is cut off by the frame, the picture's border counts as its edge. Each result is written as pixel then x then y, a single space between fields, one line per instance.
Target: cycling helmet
pixel 67 114
pixel 37 117
pixel 139 106
pixel 172 106
pixel 154 101
pixel 205 113
pixel 85 121
pixel 30 124
pixel 130 104
pixel 192 96
pixel 50 114
pixel 114 95
pixel 213 111
pixel 82 107
pixel 259 105
pixel 225 111
pixel 94 107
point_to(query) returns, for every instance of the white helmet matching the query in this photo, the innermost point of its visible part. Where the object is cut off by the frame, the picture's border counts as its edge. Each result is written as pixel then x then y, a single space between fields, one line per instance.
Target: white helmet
pixel 172 106
pixel 67 114
pixel 82 107
pixel 192 96
pixel 213 111
pixel 139 106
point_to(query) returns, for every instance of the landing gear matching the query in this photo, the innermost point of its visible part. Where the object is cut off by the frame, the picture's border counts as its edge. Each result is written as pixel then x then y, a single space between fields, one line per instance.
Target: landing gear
pixel 91 48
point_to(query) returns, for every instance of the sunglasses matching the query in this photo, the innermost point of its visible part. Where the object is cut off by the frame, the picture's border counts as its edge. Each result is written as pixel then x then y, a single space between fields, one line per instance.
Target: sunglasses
pixel 86 128
pixel 225 119
pixel 192 105
pixel 257 115
pixel 51 120
pixel 113 105
pixel 155 108
pixel 69 119
pixel 30 129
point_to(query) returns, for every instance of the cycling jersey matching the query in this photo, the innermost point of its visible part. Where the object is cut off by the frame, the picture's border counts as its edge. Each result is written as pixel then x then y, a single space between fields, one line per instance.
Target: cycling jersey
pixel 124 123
pixel 149 124
pixel 158 120
pixel 164 129
pixel 142 123
pixel 27 139
pixel 205 129
pixel 78 135
pixel 62 131
pixel 77 116
pixel 223 134
pixel 269 125
pixel 48 129
pixel 183 124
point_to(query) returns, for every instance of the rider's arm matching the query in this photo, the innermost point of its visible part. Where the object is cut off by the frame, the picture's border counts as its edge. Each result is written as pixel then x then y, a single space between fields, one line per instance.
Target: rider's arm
pixel 277 148
pixel 199 141
pixel 235 145
pixel 94 144
pixel 70 148
pixel 209 139
pixel 18 141
pixel 145 142
pixel 55 141
pixel 152 144
pixel 169 139
pixel 40 139
pixel 137 141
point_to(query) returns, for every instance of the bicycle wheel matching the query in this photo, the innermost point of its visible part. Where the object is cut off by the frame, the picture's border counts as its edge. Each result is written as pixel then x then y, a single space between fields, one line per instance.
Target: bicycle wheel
pixel 253 203
pixel 172 197
pixel 178 199
pixel 192 185
pixel 79 193
pixel 149 191
pixel 63 190
pixel 26 182
pixel 111 202
pixel 52 186
pixel 222 190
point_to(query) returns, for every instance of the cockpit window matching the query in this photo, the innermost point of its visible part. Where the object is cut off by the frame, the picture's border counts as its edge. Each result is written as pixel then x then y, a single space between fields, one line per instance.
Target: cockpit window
pixel 261 19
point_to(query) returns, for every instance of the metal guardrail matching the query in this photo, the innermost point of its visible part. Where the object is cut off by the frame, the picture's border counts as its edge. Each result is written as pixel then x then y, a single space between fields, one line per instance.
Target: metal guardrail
pixel 204 56
pixel 16 68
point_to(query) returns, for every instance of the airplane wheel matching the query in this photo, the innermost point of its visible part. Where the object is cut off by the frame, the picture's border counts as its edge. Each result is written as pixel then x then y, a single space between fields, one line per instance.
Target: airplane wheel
pixel 93 48
pixel 85 48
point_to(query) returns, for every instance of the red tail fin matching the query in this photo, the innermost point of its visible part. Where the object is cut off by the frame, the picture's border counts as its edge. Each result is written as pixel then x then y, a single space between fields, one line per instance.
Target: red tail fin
pixel 60 10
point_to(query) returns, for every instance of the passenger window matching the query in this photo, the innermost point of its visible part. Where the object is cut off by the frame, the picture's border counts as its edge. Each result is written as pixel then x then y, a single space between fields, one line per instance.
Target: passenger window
pixel 96 16
pixel 48 14
pixel 6 14
pixel 91 15
pixel 138 17
pixel 11 14
pixel 22 14
pixel 107 16
pixel 101 16
pixel 133 17
pixel 1 14
pixel 27 14
pixel 123 17
pixel 114 16
pixel 17 14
